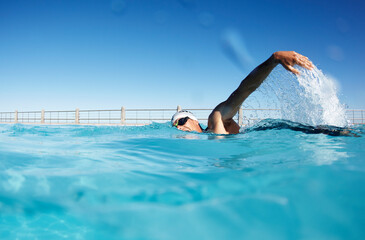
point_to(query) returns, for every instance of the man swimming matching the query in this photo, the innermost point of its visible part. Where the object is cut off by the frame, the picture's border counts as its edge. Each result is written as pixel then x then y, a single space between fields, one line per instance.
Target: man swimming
pixel 220 120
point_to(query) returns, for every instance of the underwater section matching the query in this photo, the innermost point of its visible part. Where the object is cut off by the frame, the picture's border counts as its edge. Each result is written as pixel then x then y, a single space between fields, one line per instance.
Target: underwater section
pixel 156 182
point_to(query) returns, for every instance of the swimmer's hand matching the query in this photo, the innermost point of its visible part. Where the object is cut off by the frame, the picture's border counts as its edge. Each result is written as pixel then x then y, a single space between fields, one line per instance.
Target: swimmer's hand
pixel 290 58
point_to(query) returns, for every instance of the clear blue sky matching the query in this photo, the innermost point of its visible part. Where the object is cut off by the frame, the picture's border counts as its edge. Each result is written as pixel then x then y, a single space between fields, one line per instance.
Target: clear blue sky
pixel 63 54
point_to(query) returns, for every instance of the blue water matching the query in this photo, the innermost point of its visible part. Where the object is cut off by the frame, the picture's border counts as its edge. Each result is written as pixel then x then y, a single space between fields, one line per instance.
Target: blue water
pixel 155 182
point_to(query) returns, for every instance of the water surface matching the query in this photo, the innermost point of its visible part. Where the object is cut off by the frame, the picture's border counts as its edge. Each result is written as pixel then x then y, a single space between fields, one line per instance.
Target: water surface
pixel 155 182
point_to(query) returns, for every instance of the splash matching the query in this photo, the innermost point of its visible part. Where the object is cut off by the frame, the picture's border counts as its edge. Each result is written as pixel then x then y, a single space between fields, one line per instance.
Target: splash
pixel 309 98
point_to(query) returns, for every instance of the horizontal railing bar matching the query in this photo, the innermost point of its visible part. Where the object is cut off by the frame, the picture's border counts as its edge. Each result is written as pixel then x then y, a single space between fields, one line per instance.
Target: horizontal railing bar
pixel 58 119
pixel 59 111
pixel 106 110
pixel 148 110
pixel 133 110
pixel 20 119
pixel 30 112
pixel 197 109
pixel 101 119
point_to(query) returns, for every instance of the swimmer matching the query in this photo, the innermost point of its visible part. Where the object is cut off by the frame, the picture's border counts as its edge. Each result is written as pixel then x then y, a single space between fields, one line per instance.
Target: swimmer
pixel 220 120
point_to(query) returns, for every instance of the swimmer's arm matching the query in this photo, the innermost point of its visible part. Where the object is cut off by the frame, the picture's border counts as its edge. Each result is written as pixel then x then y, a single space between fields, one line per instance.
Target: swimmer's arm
pixel 287 59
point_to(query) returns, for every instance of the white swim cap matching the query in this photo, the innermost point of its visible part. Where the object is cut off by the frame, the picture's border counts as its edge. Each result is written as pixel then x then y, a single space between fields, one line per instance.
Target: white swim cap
pixel 182 114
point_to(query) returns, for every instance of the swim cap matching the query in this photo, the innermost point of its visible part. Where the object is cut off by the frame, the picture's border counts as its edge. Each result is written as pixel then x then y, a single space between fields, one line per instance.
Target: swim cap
pixel 182 114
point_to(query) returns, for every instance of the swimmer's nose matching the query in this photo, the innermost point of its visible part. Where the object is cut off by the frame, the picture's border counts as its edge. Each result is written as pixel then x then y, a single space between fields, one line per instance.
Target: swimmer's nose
pixel 183 128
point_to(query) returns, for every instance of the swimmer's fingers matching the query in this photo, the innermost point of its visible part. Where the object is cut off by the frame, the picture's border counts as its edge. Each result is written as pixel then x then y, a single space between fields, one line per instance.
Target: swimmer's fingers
pixel 290 69
pixel 308 66
pixel 304 62
pixel 288 59
pixel 301 61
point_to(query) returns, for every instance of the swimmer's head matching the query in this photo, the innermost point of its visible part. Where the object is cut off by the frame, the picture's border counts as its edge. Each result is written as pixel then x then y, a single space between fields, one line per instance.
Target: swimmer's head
pixel 182 114
pixel 185 121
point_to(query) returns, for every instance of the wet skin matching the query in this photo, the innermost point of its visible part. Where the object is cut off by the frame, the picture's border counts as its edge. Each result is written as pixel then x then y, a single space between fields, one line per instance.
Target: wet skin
pixel 221 121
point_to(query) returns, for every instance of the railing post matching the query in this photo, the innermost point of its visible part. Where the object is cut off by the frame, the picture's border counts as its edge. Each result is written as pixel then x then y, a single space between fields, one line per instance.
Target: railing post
pixel 240 117
pixel 178 108
pixel 77 116
pixel 16 116
pixel 122 116
pixel 42 116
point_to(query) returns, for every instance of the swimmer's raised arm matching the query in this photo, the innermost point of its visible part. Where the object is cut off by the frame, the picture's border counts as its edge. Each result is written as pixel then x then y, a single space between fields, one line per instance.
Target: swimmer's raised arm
pixel 225 111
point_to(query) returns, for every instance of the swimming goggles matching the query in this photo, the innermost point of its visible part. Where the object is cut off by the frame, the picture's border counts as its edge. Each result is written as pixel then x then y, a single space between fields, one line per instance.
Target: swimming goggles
pixel 181 121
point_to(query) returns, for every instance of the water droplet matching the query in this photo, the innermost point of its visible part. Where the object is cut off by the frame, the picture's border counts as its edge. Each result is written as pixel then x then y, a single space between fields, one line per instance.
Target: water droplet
pixel 311 98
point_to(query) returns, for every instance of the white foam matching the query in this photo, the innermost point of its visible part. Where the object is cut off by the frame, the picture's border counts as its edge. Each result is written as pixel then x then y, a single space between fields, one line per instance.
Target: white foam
pixel 320 92
pixel 309 98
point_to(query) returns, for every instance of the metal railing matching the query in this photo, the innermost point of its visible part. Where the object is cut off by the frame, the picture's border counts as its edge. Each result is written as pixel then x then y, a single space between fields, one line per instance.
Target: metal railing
pixel 355 116
pixel 7 117
pixel 124 116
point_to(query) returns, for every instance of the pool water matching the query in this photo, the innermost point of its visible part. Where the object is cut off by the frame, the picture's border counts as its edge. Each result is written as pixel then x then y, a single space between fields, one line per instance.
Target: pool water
pixel 156 182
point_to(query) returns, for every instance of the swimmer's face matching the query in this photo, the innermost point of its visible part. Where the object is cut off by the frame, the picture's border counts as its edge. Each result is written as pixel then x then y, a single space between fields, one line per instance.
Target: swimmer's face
pixel 187 124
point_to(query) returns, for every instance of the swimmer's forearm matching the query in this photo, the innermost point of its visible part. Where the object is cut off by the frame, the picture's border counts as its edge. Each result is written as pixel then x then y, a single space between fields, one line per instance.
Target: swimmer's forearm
pixel 255 78
pixel 230 107
pixel 287 59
